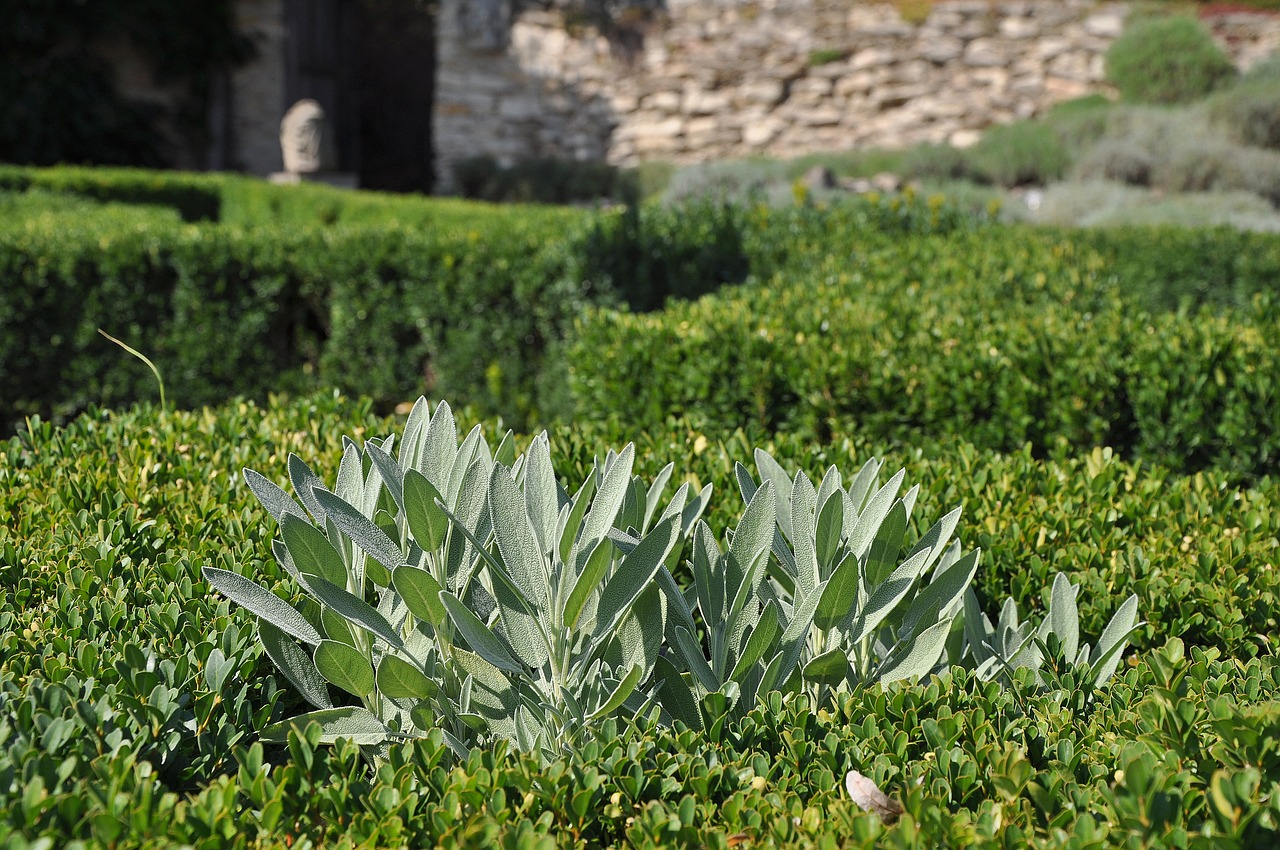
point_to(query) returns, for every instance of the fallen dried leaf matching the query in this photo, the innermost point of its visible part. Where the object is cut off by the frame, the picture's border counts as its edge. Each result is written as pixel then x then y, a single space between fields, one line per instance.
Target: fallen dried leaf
pixel 870 798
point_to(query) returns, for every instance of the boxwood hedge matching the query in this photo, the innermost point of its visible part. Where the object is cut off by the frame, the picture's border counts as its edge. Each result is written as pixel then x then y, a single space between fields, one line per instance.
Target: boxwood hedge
pixel 130 696
pixel 1004 336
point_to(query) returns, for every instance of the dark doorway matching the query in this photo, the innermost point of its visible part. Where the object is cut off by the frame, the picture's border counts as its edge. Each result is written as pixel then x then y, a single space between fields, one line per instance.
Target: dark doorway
pixel 371 66
pixel 320 47
pixel 397 80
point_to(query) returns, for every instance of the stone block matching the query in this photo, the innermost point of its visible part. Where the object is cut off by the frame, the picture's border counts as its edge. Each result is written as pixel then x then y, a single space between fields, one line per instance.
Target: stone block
pixel 942 50
pixel 663 101
pixel 985 53
pixel 1108 23
pixel 760 133
pixel 873 57
pixel 763 92
pixel 520 108
pixel 1019 28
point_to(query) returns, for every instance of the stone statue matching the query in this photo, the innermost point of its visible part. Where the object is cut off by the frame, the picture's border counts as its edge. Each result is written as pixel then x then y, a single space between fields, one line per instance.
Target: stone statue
pixel 306 147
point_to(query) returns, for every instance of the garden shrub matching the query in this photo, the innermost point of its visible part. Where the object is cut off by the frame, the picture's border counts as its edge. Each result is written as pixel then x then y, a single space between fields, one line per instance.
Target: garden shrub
pixel 1250 110
pixel 1121 160
pixel 541 181
pixel 643 256
pixel 225 310
pixel 118 660
pixel 1167 60
pixel 935 162
pixel 1027 152
pixel 1002 335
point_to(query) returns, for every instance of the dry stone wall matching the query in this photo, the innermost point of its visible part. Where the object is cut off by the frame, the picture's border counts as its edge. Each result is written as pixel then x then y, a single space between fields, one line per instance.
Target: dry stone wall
pixel 713 79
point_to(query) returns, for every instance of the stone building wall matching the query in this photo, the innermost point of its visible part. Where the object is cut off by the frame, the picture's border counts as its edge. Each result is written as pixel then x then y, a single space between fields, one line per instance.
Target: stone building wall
pixel 713 79
pixel 257 101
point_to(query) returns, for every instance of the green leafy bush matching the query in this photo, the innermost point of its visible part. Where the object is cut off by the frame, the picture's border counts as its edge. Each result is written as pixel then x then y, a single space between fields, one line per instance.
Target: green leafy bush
pixel 643 256
pixel 1167 60
pixel 120 671
pixel 1250 110
pixel 541 181
pixel 460 590
pixel 935 162
pixel 1027 152
pixel 471 303
pixel 1006 336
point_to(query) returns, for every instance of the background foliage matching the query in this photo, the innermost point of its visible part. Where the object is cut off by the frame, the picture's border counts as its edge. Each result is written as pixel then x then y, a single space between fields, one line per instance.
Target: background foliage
pixel 61 103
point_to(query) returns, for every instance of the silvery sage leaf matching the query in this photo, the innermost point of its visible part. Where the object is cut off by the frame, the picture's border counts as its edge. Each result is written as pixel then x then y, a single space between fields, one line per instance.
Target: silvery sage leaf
pixel 427 522
pixel 517 542
pixel 352 608
pixel 399 679
pixel 388 470
pixel 608 500
pixel 830 668
pixel 542 502
pixel 295 664
pixel 674 694
pixel 1063 614
pixel 480 638
pixel 864 530
pixel 373 540
pixel 276 501
pixel 882 554
pixel 311 552
pixel 304 481
pixel 262 602
pixel 421 593
pixel 762 639
pixel 633 575
pixel 358 725
pixel 1106 656
pixel 587 582
pixel 920 656
pixel 346 667
pixel 887 595
pixel 620 693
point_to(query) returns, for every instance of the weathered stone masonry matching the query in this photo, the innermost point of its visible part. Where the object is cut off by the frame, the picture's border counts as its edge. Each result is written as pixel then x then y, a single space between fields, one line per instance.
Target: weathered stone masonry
pixel 714 79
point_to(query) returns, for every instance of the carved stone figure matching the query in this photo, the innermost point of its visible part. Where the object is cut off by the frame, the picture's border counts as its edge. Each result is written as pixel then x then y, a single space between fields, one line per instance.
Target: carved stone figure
pixel 303 141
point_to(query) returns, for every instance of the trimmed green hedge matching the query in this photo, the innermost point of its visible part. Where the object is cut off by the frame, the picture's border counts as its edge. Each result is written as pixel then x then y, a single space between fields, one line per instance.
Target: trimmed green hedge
pixel 131 696
pixel 1002 336
pixel 390 311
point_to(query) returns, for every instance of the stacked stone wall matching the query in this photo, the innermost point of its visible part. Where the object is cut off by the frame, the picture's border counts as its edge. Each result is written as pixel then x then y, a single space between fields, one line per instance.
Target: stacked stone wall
pixel 712 79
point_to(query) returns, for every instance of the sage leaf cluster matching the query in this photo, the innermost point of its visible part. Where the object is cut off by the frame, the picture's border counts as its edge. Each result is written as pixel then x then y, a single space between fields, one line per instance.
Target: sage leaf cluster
pixel 447 585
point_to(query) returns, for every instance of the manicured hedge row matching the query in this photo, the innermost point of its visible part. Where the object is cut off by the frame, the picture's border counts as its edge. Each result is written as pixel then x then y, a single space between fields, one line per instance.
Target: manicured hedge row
pixel 196 197
pixel 235 199
pixel 131 695
pixel 1003 336
pixel 388 311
